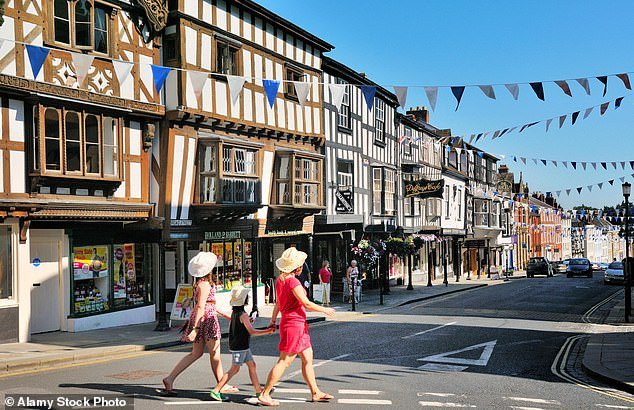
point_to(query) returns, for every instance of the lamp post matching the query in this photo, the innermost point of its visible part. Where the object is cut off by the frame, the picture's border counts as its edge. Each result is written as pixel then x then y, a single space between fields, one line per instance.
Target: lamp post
pixel 409 272
pixel 627 189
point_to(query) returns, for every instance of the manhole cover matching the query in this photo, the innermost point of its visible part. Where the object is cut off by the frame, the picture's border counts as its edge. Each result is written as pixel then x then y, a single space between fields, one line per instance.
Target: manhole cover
pixel 136 375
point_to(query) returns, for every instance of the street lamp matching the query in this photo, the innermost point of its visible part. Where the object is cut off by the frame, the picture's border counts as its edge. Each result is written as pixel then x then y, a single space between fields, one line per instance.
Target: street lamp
pixel 627 189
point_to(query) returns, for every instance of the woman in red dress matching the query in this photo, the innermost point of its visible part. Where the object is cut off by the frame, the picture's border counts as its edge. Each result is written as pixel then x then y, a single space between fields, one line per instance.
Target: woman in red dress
pixel 294 339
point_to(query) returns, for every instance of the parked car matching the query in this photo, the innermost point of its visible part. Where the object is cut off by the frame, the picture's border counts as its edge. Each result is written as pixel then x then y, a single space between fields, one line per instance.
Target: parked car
pixel 596 266
pixel 579 267
pixel 614 273
pixel 561 266
pixel 538 266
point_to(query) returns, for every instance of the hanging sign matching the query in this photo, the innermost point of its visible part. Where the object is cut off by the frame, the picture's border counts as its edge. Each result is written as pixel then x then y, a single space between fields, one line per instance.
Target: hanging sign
pixel 424 188
pixel 344 202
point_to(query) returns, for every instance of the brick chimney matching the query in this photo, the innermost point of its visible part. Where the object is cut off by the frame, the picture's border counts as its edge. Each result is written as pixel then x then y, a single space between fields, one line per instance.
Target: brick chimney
pixel 421 114
pixel 503 169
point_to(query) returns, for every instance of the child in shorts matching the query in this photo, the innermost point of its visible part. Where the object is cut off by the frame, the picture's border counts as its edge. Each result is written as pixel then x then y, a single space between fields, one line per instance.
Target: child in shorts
pixel 240 332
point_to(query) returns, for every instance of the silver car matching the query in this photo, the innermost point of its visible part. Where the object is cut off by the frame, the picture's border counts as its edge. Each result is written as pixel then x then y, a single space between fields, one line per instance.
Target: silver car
pixel 614 273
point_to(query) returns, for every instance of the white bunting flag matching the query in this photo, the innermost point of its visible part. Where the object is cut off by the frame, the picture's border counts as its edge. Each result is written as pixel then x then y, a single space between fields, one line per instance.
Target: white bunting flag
pixel 514 89
pixel 548 121
pixel 336 94
pixel 82 64
pixel 585 84
pixel 122 69
pixel 432 96
pixel 488 91
pixel 235 83
pixel 535 161
pixel 197 79
pixel 401 95
pixel 523 160
pixel 587 112
pixel 302 89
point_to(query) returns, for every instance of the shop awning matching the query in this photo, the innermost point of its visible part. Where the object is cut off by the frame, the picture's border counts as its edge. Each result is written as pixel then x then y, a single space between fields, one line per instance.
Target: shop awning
pixel 94 214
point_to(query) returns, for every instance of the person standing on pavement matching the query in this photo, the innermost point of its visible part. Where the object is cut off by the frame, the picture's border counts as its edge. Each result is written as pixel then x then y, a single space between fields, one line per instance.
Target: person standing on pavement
pixel 203 328
pixel 324 280
pixel 352 274
pixel 240 332
pixel 294 338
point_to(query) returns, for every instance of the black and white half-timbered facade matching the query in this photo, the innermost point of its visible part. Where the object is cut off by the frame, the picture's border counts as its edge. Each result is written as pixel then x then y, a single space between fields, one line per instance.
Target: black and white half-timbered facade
pixel 239 177
pixel 361 177
pixel 420 162
pixel 77 242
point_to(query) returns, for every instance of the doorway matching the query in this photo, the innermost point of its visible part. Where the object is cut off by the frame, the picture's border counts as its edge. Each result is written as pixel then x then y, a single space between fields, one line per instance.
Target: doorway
pixel 44 279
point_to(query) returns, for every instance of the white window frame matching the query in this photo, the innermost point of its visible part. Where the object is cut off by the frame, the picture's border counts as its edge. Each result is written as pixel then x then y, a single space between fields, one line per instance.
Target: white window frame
pixel 389 178
pixel 343 116
pixel 379 120
pixel 377 191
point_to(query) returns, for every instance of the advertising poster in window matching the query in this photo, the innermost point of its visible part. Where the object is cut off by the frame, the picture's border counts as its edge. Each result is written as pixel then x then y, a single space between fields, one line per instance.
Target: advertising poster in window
pixel 90 262
pixel 124 269
pixel 216 249
pixel 183 302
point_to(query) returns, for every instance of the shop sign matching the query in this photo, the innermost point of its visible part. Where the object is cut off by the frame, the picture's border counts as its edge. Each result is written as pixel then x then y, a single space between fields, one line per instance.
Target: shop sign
pixel 424 188
pixel 179 235
pixel 183 302
pixel 36 262
pixel 285 233
pixel 344 202
pixel 478 243
pixel 222 235
pixel 181 222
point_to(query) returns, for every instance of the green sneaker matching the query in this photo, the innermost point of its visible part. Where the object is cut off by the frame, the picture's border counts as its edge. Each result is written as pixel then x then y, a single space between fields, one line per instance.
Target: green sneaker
pixel 224 397
pixel 216 396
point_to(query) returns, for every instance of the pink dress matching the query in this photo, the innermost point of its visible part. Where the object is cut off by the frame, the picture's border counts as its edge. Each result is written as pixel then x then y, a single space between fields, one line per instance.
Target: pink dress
pixel 294 336
pixel 209 325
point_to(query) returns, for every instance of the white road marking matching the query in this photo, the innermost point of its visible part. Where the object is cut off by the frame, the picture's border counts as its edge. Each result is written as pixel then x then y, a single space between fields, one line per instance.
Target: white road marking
pixel 437 367
pixel 191 403
pixel 526 408
pixel 435 394
pixel 538 401
pixel 587 316
pixel 293 391
pixel 428 330
pixel 362 392
pixel 445 404
pixel 482 361
pixel 254 400
pixel 296 372
pixel 365 402
pixel 609 406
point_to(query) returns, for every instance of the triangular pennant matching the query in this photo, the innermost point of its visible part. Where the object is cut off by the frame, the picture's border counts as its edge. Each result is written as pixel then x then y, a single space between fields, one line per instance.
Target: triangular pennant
pixel 538 87
pixel 37 56
pixel 401 95
pixel 235 83
pixel 622 179
pixel 585 84
pixel 457 92
pixel 523 128
pixel 617 102
pixel 632 164
pixel 368 93
pixel 564 87
pixel 548 121
pixel 488 91
pixel 604 165
pixel 562 120
pixel 531 124
pixel 604 80
pixel 301 90
pixel 512 129
pixel 197 79
pixel 622 164
pixel 626 80
pixel 82 64
pixel 270 89
pixel 579 189
pixel 565 164
pixel 600 185
pixel 583 165
pixel 432 96
pixel 594 165
pixel 159 73
pixel 554 163
pixel 575 115
pixel 503 132
pixel 574 164
pixel 611 182
pixel 122 69
pixel 558 193
pixel 481 154
pixel 535 161
pixel 544 161
pixel 590 188
pixel 514 158
pixel 587 112
pixel 514 89
pixel 613 165
pixel 523 160
pixel 568 191
pixel 336 94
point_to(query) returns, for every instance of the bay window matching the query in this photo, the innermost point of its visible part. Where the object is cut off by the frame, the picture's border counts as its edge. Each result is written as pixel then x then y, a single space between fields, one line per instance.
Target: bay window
pixel 377 191
pixel 297 180
pixel 235 182
pixel 481 212
pixel 83 24
pixel 383 191
pixel 390 191
pixel 77 143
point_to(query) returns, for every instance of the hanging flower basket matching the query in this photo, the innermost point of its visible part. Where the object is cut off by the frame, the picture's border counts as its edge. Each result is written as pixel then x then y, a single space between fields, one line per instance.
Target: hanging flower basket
pixel 368 252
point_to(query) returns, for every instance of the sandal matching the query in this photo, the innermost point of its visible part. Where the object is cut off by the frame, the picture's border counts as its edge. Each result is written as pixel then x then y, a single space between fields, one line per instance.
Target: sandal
pixel 267 401
pixel 230 389
pixel 323 398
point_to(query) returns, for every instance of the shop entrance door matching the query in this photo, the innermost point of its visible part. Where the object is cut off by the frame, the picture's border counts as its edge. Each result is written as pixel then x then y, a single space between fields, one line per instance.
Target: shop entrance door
pixel 45 281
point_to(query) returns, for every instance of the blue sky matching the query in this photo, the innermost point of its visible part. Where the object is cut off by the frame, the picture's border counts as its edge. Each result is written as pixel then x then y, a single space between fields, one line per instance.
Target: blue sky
pixel 436 42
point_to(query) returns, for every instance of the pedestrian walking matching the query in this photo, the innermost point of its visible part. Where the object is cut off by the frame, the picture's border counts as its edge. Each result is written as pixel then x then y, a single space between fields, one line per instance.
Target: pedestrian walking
pixel 352 274
pixel 202 329
pixel 324 279
pixel 294 338
pixel 240 332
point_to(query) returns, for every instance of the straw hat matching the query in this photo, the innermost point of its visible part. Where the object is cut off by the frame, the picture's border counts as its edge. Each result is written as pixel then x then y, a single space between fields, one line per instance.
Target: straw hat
pixel 202 264
pixel 239 295
pixel 290 260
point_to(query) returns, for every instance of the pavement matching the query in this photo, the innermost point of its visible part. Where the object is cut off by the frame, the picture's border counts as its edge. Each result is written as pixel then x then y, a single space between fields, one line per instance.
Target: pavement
pixel 608 356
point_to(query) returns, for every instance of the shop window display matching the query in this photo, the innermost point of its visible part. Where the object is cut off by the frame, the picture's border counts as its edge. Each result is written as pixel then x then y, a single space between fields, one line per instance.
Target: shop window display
pixel 110 277
pixel 235 262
